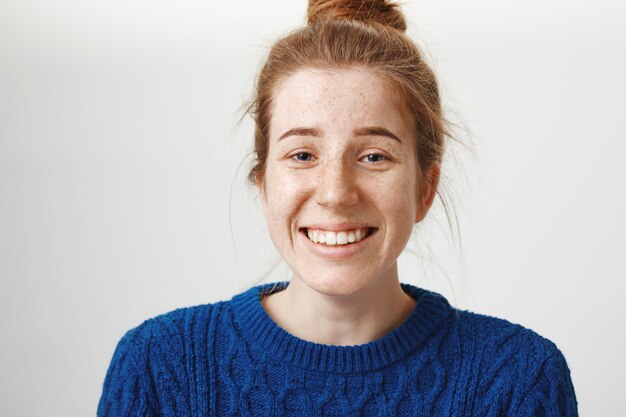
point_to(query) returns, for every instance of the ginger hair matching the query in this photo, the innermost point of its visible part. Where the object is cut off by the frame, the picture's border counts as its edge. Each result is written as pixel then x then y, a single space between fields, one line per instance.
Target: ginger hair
pixel 343 34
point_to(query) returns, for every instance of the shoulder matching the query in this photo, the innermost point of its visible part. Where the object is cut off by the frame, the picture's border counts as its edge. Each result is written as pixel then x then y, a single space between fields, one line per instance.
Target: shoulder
pixel 487 336
pixel 189 330
pixel 172 330
pixel 498 337
pixel 159 360
pixel 515 366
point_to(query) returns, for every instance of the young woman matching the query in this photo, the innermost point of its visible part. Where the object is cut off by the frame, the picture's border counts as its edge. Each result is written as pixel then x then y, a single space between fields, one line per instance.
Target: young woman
pixel 349 142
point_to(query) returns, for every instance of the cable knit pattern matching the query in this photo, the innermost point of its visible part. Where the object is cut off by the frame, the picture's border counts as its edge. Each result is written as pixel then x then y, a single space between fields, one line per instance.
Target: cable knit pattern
pixel 231 359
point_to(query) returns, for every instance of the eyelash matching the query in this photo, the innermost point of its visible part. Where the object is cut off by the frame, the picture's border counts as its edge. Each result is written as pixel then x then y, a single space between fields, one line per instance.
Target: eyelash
pixel 383 157
pixel 294 156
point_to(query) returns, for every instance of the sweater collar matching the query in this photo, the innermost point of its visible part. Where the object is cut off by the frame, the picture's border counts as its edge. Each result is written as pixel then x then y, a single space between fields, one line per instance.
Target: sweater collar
pixel 264 335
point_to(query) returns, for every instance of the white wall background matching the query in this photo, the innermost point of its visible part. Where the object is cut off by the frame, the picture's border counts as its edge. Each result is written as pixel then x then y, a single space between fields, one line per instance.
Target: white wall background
pixel 119 158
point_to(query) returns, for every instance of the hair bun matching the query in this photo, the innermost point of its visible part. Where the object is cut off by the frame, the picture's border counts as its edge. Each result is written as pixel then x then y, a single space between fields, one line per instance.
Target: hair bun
pixel 380 11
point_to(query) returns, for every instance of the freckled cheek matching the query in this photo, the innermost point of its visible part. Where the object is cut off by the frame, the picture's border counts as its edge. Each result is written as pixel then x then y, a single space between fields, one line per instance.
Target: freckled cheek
pixel 396 200
pixel 287 196
pixel 398 209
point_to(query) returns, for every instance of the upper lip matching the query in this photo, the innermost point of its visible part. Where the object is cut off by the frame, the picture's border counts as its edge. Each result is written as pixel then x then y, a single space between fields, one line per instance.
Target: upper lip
pixel 337 227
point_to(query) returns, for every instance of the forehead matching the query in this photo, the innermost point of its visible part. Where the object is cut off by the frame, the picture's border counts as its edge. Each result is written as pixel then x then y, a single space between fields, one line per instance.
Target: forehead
pixel 314 97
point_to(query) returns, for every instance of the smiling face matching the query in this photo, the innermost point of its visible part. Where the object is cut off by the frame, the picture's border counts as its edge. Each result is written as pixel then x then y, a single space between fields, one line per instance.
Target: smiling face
pixel 340 191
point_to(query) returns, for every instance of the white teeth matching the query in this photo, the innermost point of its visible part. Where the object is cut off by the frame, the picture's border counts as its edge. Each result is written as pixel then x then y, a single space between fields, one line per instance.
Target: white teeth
pixel 337 238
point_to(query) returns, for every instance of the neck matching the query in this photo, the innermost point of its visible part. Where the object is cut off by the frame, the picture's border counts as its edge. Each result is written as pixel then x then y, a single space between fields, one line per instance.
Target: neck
pixel 356 319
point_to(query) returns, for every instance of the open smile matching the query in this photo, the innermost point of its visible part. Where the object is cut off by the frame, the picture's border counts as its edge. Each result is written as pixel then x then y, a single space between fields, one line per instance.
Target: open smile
pixel 337 237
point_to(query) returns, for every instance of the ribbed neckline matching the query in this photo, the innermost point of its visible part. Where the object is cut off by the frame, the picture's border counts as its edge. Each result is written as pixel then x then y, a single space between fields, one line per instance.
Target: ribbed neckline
pixel 260 330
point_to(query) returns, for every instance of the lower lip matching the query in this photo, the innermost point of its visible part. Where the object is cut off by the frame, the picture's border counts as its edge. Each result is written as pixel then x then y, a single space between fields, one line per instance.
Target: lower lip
pixel 337 251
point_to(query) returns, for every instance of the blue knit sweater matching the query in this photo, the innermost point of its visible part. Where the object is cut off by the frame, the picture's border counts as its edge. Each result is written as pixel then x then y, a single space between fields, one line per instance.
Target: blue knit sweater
pixel 231 359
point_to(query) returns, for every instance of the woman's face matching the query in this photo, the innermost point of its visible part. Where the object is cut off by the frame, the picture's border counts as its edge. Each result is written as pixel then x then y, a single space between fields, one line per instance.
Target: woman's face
pixel 340 192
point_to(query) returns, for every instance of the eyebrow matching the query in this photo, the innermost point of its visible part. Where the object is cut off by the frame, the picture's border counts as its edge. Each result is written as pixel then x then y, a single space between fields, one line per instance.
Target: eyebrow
pixel 361 131
pixel 301 131
pixel 375 131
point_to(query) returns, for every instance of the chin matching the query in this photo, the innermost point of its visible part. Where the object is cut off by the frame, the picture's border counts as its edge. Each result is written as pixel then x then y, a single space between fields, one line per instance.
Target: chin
pixel 337 285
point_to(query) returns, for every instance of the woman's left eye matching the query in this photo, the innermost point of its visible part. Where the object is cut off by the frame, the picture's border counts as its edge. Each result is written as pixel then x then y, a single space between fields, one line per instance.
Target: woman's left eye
pixel 374 157
pixel 302 157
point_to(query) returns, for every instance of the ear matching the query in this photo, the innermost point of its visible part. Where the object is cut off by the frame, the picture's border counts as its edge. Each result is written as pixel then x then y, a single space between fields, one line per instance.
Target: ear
pixel 427 191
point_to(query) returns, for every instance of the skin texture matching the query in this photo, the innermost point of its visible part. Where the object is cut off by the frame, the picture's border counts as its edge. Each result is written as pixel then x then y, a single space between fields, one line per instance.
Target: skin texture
pixel 335 174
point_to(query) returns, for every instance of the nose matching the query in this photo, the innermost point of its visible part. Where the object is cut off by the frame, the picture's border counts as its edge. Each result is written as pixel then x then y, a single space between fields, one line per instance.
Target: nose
pixel 336 185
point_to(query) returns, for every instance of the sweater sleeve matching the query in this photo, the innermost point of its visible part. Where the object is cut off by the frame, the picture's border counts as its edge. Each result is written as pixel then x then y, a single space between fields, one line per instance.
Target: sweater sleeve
pixel 124 391
pixel 551 393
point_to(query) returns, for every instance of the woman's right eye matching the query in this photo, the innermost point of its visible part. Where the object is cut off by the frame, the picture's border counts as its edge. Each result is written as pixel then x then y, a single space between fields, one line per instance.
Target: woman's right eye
pixel 302 157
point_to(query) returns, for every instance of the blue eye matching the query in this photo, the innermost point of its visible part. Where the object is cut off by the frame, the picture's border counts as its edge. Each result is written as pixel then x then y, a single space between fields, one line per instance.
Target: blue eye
pixel 302 157
pixel 375 157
